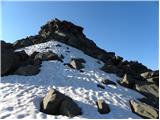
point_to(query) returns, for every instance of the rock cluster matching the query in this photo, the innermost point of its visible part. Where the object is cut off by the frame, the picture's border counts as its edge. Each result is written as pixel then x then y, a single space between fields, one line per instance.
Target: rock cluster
pixel 20 63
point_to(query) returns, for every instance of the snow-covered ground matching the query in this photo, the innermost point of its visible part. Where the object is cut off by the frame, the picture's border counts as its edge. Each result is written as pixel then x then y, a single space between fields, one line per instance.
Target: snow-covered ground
pixel 20 95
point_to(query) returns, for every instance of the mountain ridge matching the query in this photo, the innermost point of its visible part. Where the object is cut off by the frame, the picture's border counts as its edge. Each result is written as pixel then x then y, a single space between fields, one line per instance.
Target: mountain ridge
pixel 61 58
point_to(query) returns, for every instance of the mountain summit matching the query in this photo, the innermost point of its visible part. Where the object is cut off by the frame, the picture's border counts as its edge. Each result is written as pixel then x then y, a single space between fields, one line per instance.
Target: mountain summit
pixel 61 73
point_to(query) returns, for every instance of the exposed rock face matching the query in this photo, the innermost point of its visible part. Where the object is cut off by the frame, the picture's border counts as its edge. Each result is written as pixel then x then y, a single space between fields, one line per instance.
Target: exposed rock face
pixel 144 110
pixel 103 108
pixel 56 103
pixel 27 70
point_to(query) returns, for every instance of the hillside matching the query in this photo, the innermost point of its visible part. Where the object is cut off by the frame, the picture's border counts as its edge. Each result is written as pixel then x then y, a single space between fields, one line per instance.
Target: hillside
pixel 62 58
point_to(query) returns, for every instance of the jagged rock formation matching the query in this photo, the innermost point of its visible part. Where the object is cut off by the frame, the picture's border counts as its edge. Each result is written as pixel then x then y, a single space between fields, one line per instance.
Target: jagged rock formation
pixel 71 34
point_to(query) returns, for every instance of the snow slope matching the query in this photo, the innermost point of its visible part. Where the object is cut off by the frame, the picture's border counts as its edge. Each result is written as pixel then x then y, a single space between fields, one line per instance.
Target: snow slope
pixel 21 95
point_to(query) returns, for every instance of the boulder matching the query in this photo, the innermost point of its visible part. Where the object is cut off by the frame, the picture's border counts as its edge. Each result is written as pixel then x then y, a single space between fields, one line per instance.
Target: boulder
pixel 22 55
pixel 108 82
pixel 128 81
pixel 112 69
pixel 146 75
pixel 154 80
pixel 101 86
pixel 152 76
pixel 147 89
pixel 143 110
pixel 76 63
pixel 150 101
pixel 56 103
pixel 9 61
pixel 103 108
pixel 80 60
pixel 27 70
pixel 52 102
pixel 45 56
pixel 69 108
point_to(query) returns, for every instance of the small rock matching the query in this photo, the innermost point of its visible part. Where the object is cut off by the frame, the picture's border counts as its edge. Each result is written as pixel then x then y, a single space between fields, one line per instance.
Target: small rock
pixel 108 82
pixel 58 45
pixel 100 86
pixel 103 108
pixel 77 64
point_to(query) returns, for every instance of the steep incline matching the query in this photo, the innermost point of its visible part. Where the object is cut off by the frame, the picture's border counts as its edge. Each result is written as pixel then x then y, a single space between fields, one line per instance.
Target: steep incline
pixel 20 95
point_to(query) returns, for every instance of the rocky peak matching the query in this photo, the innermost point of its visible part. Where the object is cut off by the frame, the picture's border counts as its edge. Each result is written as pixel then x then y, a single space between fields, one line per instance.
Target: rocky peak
pixel 62 28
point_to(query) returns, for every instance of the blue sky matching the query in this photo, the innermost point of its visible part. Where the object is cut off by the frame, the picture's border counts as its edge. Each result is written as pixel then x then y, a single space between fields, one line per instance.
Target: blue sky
pixel 130 29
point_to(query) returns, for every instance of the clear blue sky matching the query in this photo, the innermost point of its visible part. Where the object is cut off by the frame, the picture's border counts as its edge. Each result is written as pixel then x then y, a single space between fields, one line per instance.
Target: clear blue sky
pixel 130 29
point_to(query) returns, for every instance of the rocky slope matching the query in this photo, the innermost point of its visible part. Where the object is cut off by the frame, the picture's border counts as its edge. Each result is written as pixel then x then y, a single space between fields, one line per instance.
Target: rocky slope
pixel 79 76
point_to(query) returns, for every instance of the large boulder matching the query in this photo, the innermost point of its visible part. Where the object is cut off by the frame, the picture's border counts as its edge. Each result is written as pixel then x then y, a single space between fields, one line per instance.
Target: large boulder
pixel 102 107
pixel 69 108
pixel 144 110
pixel 27 70
pixel 56 103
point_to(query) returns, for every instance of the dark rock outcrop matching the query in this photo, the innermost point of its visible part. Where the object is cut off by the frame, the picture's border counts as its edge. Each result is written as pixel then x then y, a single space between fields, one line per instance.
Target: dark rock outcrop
pixel 27 70
pixel 143 110
pixel 102 107
pixel 56 103
pixel 10 60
